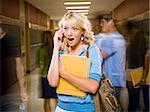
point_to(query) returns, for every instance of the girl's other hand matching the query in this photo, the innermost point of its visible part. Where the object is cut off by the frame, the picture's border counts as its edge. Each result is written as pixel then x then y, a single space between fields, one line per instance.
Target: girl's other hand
pixel 62 71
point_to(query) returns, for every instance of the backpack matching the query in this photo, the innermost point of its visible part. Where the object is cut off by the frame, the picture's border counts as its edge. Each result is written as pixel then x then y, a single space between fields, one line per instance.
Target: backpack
pixel 104 99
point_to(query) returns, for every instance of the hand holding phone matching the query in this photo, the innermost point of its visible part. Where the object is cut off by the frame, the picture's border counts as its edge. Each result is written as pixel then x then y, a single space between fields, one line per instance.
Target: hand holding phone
pixel 61 38
pixel 58 38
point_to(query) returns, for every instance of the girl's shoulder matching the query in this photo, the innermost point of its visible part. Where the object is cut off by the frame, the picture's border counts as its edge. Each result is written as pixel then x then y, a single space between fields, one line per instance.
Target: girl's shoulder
pixel 94 51
pixel 93 47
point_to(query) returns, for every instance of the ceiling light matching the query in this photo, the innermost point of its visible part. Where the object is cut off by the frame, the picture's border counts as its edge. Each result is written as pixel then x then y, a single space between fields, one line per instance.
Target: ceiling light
pixel 77 3
pixel 78 10
pixel 78 7
pixel 85 13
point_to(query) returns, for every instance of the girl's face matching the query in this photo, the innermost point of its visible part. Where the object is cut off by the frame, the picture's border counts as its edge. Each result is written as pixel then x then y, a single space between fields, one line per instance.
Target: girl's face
pixel 72 34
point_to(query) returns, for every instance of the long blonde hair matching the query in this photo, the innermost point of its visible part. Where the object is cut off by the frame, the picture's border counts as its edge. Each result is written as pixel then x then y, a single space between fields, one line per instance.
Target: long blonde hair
pixel 80 21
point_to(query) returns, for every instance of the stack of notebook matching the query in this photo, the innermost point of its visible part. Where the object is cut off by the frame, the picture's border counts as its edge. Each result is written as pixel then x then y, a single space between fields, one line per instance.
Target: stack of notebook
pixel 136 75
pixel 77 66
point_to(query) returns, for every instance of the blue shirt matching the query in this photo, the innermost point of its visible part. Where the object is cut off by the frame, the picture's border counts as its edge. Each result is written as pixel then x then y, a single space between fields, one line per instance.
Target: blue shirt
pixel 77 104
pixel 114 64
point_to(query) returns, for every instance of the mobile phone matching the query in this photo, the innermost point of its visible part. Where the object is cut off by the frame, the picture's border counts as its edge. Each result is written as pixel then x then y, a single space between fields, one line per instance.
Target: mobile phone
pixel 61 39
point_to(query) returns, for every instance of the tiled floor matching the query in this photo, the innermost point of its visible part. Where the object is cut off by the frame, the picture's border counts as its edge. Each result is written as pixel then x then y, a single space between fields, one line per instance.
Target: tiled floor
pixel 35 104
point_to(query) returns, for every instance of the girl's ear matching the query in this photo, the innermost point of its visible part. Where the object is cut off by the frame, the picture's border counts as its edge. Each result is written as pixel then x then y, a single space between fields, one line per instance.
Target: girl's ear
pixel 83 31
pixel 82 37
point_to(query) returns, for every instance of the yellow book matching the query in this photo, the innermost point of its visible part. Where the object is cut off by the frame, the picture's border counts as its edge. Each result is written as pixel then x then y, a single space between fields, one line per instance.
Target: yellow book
pixel 148 77
pixel 77 66
pixel 136 75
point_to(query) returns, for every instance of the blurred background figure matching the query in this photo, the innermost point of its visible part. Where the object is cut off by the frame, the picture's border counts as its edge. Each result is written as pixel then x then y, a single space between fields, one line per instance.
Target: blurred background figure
pixel 45 54
pixel 10 53
pixel 137 56
pixel 112 46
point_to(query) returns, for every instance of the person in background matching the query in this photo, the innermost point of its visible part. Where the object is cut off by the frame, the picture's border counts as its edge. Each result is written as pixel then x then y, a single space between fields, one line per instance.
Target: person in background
pixel 112 47
pixel 8 51
pixel 45 55
pixel 145 82
pixel 137 58
pixel 75 29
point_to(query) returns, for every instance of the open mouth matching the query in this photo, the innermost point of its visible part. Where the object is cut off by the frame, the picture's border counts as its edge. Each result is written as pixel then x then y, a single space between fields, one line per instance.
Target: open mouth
pixel 70 39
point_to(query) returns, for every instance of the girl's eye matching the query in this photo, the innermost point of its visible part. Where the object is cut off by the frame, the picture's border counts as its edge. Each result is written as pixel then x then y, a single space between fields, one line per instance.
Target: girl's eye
pixel 75 29
pixel 65 28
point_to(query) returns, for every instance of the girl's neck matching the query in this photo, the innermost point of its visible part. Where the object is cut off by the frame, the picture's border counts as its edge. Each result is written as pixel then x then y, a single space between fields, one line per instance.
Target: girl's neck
pixel 75 50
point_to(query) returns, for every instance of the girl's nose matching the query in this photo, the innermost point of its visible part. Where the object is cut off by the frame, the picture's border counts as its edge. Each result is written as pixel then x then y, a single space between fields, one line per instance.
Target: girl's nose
pixel 69 32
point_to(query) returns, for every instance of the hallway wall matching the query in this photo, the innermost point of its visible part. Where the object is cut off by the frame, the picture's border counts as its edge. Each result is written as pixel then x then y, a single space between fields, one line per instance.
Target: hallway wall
pixel 130 8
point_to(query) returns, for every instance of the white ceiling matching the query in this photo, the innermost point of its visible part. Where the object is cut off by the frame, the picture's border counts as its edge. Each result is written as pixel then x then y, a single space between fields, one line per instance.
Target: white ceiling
pixel 55 8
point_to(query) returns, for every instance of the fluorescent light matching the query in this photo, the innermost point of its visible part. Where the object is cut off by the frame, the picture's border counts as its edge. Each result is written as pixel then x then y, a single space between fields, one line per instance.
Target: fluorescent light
pixel 78 10
pixel 77 3
pixel 78 7
pixel 85 13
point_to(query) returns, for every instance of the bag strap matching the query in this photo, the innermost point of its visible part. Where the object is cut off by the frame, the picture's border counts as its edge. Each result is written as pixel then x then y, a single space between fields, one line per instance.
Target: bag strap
pixel 105 78
pixel 87 51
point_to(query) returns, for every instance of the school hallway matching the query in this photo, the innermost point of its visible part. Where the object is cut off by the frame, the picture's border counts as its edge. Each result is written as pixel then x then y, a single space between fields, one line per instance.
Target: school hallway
pixel 28 23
